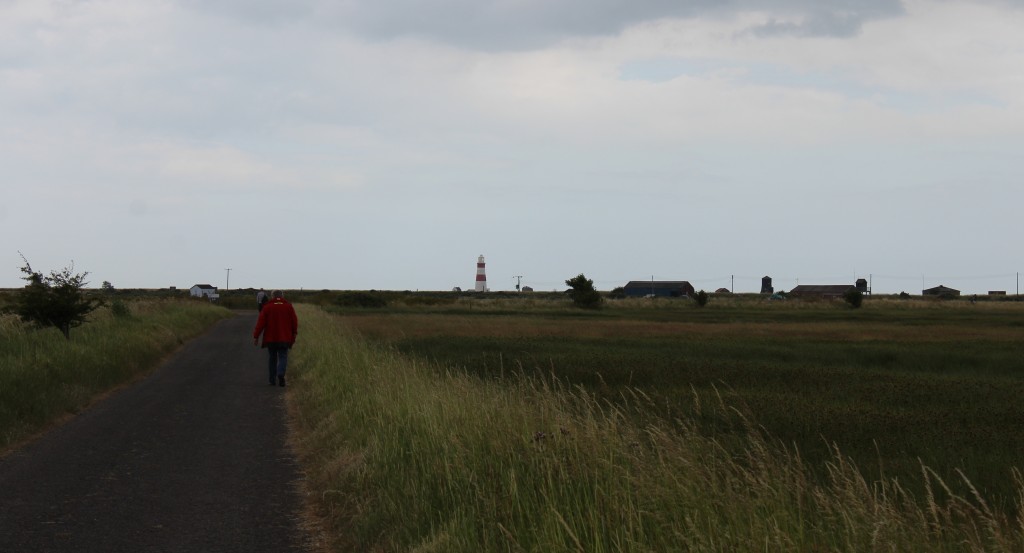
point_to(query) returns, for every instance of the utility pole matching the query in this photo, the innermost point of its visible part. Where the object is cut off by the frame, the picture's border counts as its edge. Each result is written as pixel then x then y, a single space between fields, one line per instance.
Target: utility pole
pixel 732 284
pixel 519 279
pixel 227 285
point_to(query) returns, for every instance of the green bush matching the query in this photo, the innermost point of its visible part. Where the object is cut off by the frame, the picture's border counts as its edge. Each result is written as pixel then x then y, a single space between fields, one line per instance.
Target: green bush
pixel 583 293
pixel 854 297
pixel 701 298
pixel 120 309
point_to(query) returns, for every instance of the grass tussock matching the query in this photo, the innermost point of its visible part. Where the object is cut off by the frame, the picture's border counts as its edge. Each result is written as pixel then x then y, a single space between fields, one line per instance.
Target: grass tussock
pixel 46 376
pixel 404 456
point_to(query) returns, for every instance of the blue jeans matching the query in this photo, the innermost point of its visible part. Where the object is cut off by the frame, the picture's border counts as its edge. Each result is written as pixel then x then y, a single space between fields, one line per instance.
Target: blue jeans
pixel 278 359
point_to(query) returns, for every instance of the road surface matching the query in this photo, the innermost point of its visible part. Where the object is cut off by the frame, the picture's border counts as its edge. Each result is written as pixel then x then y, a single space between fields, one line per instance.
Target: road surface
pixel 191 458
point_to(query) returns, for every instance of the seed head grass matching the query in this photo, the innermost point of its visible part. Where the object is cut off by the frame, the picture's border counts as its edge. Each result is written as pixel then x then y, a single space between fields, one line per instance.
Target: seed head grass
pixel 408 455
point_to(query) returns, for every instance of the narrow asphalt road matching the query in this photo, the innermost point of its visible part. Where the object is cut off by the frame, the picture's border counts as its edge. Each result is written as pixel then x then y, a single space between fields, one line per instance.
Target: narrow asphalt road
pixel 191 458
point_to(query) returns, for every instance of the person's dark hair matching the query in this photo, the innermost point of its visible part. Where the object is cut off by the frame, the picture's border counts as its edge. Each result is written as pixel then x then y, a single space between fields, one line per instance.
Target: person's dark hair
pixel 277 294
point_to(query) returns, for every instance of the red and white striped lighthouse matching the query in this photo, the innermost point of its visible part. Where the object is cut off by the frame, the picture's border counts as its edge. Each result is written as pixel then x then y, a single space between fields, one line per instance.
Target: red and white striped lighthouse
pixel 481 277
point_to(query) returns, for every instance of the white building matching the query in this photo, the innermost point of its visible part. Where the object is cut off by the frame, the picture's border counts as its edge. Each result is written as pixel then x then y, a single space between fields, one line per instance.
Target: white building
pixel 204 291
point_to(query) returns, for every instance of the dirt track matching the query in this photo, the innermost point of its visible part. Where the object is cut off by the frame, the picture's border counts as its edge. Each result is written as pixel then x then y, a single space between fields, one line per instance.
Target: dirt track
pixel 192 458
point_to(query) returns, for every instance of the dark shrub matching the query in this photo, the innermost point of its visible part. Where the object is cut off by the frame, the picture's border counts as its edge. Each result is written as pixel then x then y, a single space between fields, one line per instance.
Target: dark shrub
pixel 360 299
pixel 120 309
pixel 854 297
pixel 582 292
pixel 701 298
pixel 56 300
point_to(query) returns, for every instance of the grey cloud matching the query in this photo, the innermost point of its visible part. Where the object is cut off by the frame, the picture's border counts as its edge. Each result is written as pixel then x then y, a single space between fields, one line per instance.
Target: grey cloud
pixel 513 24
pixel 829 24
pixel 266 12
pixel 837 18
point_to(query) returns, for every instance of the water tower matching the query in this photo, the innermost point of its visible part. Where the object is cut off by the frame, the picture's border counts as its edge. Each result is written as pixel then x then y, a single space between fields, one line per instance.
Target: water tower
pixel 481 276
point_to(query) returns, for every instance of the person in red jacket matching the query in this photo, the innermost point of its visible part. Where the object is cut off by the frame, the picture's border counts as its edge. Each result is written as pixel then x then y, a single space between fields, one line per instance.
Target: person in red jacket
pixel 279 326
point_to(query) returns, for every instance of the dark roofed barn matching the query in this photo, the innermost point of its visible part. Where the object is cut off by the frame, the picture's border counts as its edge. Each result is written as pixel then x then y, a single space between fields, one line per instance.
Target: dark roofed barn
pixel 658 288
pixel 940 290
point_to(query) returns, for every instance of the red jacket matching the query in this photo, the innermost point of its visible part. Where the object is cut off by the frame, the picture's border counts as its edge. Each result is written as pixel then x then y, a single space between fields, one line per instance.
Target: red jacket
pixel 277 323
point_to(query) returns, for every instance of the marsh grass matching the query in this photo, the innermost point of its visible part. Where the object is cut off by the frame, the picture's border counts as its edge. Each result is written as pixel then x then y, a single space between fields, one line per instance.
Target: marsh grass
pixel 43 376
pixel 406 455
pixel 893 383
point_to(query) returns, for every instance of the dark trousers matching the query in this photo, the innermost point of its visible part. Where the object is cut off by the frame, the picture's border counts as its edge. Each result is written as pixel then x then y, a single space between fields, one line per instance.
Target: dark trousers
pixel 278 360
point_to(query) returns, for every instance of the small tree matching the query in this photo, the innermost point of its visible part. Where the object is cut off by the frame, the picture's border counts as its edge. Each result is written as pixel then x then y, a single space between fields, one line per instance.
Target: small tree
pixel 54 300
pixel 583 293
pixel 854 297
pixel 701 298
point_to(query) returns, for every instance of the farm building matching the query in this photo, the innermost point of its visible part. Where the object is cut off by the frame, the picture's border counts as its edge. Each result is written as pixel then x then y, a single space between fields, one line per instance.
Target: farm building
pixel 659 288
pixel 204 291
pixel 821 290
pixel 940 290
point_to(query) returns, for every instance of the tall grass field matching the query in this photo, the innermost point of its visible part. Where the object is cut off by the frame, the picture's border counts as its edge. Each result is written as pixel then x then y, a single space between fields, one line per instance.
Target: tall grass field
pixel 44 377
pixel 655 427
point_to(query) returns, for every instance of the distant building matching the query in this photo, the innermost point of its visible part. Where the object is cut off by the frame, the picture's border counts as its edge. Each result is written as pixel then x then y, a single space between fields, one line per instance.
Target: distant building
pixel 828 291
pixel 658 288
pixel 766 285
pixel 940 290
pixel 862 286
pixel 204 291
pixel 527 289
pixel 997 292
pixel 723 291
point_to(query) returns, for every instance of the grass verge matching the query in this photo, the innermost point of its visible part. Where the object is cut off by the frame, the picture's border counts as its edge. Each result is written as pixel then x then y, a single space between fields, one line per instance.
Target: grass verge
pixel 405 456
pixel 45 377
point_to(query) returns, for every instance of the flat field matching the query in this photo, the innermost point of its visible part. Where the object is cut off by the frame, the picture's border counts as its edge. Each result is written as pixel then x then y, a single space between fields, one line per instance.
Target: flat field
pixel 892 385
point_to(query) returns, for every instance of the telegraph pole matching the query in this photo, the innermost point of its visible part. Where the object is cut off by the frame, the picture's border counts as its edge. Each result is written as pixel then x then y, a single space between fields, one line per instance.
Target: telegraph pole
pixel 519 279
pixel 227 285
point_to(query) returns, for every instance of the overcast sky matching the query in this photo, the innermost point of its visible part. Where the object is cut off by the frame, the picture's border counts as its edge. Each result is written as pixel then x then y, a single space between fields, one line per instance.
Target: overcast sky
pixel 368 144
